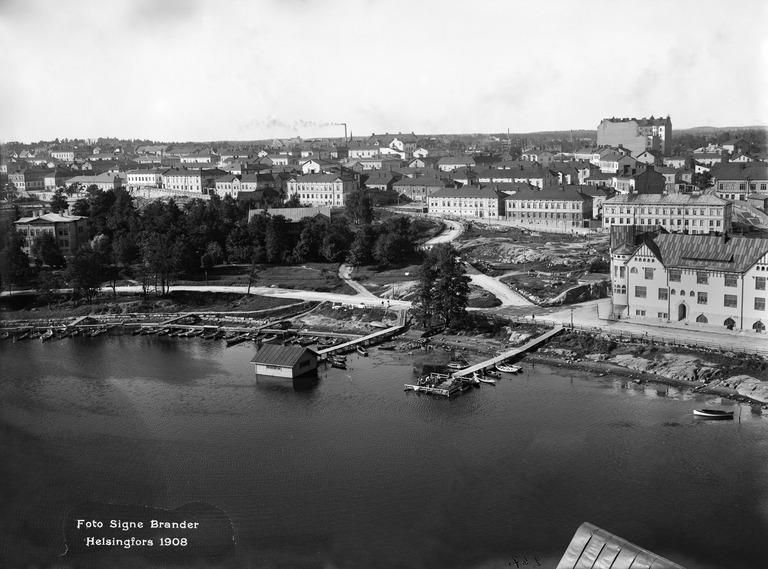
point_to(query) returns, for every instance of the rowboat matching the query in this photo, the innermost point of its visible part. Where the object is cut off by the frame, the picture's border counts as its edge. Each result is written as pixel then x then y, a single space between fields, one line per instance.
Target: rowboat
pixel 339 365
pixel 713 413
pixel 456 365
pixel 480 377
pixel 508 368
pixel 46 335
pixel 362 351
pixel 5 335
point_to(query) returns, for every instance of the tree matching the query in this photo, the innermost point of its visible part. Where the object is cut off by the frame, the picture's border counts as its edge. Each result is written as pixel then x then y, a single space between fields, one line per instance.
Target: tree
pixel 45 250
pixel 14 262
pixel 359 207
pixel 361 250
pixel 336 242
pixel 443 288
pixel 703 181
pixel 59 201
pixel 293 201
pixel 47 285
pixel 84 273
pixel 81 207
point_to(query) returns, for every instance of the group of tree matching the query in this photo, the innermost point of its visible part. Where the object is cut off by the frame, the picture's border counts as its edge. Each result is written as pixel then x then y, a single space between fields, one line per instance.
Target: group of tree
pixel 442 293
pixel 163 239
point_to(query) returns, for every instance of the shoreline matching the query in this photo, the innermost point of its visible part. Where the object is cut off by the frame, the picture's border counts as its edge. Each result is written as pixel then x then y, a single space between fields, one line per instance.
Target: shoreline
pixel 606 368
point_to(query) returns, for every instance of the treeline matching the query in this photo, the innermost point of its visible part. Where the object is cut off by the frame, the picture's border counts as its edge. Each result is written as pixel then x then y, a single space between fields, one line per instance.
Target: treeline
pixel 163 239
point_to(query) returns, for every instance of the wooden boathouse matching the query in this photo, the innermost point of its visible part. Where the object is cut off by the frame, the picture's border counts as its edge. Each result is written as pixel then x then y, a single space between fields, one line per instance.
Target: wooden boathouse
pixel 285 361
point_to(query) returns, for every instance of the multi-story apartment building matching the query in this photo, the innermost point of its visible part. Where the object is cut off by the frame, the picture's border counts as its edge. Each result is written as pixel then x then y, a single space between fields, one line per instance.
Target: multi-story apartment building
pixel 419 188
pixel 71 231
pixel 28 179
pixel 564 207
pixel 468 202
pixel 229 184
pixel 636 135
pixel 193 181
pixel 698 279
pixel 147 178
pixel 676 213
pixel 322 189
pixel 535 175
pixel 735 181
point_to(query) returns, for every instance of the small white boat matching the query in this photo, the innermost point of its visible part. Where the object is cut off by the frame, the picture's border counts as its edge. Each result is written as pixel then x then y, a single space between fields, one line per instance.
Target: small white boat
pixel 362 351
pixel 713 413
pixel 508 368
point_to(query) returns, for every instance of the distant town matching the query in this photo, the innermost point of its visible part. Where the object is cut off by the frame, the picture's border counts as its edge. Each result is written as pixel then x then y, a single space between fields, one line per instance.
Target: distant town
pixel 685 214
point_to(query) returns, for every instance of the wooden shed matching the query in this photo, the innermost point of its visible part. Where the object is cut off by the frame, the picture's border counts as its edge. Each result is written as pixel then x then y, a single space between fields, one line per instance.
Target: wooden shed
pixel 285 361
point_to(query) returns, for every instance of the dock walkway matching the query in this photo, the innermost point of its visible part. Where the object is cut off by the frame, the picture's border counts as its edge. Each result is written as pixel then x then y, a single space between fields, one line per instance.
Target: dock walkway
pixel 378 336
pixel 535 343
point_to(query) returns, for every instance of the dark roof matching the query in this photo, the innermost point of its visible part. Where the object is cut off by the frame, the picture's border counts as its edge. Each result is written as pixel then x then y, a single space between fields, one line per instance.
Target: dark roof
pixel 559 193
pixel 277 355
pixel 468 192
pixel 709 252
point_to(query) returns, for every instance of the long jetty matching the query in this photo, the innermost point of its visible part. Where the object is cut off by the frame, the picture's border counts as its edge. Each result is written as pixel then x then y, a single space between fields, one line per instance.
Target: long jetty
pixel 376 337
pixel 527 347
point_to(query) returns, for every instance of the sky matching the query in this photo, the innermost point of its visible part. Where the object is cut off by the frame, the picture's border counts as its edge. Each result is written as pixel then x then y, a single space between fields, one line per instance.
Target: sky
pixel 203 70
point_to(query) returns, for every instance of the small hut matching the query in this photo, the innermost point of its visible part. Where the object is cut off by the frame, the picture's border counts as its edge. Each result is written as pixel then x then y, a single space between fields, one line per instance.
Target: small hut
pixel 285 361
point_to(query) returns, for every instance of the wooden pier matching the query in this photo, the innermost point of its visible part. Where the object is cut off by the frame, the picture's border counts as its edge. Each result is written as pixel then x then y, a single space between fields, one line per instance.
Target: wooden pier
pixel 370 339
pixel 525 348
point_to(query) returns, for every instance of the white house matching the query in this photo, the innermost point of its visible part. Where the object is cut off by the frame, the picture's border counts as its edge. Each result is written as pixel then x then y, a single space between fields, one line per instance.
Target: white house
pixel 698 279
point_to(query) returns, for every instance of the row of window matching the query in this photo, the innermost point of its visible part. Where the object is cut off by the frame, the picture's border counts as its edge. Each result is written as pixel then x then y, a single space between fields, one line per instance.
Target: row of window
pixel 667 211
pixel 729 300
pixel 661 221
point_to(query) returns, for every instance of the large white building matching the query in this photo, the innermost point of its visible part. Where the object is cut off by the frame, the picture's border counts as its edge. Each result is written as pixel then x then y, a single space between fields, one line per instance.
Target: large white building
pixel 701 280
pixel 322 189
pixel 565 207
pixel 677 213
pixel 468 201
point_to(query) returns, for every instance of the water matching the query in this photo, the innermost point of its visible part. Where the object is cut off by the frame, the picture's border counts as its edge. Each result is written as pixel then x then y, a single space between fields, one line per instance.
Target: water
pixel 354 473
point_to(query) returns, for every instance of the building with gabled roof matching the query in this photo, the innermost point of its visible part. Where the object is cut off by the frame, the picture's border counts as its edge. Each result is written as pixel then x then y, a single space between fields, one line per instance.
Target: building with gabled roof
pixel 701 280
pixel 451 163
pixel 285 361
pixel 418 188
pixel 735 181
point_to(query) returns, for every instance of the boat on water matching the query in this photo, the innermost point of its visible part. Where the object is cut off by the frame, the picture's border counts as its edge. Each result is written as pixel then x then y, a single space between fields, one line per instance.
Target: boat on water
pixel 456 365
pixel 35 334
pixel 164 332
pixel 508 368
pixel 5 335
pixel 22 336
pixel 713 413
pixel 238 339
pixel 481 378
pixel 47 335
pixel 338 365
pixel 270 338
pixel 362 351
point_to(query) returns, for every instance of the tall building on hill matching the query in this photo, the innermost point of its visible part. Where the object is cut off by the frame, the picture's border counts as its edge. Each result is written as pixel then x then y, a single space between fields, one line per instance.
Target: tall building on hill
pixel 636 135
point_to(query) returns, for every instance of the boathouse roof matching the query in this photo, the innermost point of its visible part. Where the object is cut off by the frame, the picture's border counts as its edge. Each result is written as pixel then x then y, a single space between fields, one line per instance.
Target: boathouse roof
pixel 277 355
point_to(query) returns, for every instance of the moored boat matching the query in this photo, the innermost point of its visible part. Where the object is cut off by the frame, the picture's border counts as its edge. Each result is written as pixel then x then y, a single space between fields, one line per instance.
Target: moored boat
pixel 362 351
pixel 508 368
pixel 47 335
pixel 478 377
pixel 338 365
pixel 713 413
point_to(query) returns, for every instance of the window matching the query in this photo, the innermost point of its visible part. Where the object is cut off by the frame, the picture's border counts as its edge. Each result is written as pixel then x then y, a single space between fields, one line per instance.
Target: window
pixel 701 319
pixel 759 283
pixel 639 312
pixel 759 303
pixel 702 278
pixel 663 294
pixel 640 291
pixel 674 275
pixel 730 301
pixel 662 315
pixel 633 270
pixel 702 298
pixel 730 280
pixel 648 273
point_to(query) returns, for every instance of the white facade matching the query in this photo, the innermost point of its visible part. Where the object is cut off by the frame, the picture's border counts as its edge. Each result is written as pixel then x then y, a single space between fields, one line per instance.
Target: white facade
pixel 699 284
pixel 321 189
pixel 677 213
